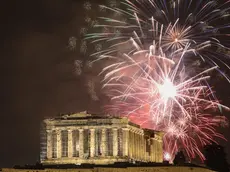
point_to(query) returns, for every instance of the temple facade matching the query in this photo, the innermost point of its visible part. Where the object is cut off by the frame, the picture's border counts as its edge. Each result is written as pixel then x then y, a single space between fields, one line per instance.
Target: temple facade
pixel 90 139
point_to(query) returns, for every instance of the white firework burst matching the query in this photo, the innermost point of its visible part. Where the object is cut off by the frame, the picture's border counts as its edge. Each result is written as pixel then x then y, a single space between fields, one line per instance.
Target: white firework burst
pixel 91 90
pixel 72 42
pixel 98 47
pixel 88 64
pixel 87 5
pixel 93 23
pixel 87 19
pixel 113 3
pixel 78 67
pixel 83 47
pixel 102 8
pixel 83 31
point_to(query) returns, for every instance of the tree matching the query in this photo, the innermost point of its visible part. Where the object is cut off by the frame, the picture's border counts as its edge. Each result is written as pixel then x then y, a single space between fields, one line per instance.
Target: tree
pixel 179 158
pixel 216 158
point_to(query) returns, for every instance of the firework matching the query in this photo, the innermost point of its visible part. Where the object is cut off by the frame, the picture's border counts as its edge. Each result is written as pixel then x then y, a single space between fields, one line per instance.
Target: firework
pixel 160 96
pixel 145 48
pixel 87 5
pixel 172 25
pixel 92 10
pixel 72 43
pixel 78 67
pixel 91 90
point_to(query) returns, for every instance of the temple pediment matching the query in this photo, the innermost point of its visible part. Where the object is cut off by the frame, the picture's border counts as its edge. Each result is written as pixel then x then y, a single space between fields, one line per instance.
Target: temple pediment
pixel 77 115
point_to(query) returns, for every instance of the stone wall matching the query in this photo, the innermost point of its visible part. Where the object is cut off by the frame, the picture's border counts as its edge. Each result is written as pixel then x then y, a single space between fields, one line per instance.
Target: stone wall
pixel 128 169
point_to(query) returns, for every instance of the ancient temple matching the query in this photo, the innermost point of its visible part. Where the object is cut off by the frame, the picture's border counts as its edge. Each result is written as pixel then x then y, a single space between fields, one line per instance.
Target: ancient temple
pixel 91 139
pixel 69 143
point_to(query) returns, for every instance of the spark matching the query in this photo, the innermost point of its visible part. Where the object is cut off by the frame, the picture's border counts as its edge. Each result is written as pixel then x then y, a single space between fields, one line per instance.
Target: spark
pixel 167 90
pixel 167 156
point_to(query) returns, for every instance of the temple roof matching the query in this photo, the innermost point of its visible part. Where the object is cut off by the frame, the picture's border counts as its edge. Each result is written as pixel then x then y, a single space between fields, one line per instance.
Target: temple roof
pixel 82 114
pixel 85 115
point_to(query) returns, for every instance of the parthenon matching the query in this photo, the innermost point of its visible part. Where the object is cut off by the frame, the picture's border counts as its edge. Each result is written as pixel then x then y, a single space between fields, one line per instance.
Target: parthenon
pixel 83 138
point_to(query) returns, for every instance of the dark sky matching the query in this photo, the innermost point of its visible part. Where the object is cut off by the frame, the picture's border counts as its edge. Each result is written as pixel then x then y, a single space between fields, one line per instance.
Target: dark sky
pixel 37 74
pixel 38 78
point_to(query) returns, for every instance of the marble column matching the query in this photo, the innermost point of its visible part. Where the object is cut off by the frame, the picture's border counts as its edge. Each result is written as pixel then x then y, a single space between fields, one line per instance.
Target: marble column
pixel 59 148
pixel 103 142
pixel 115 142
pixel 49 144
pixel 135 145
pixel 141 147
pixel 145 151
pixel 81 143
pixel 138 146
pixel 144 146
pixel 132 144
pixel 125 132
pixel 147 141
pixel 161 151
pixel 92 142
pixel 161 134
pixel 70 143
pixel 154 149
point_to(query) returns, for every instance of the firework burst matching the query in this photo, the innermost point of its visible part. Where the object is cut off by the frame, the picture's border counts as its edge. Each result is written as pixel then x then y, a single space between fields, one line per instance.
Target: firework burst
pixel 146 74
pixel 172 25
pixel 159 95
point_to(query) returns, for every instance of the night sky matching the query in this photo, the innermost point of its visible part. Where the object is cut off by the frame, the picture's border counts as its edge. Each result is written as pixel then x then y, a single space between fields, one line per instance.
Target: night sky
pixel 38 73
